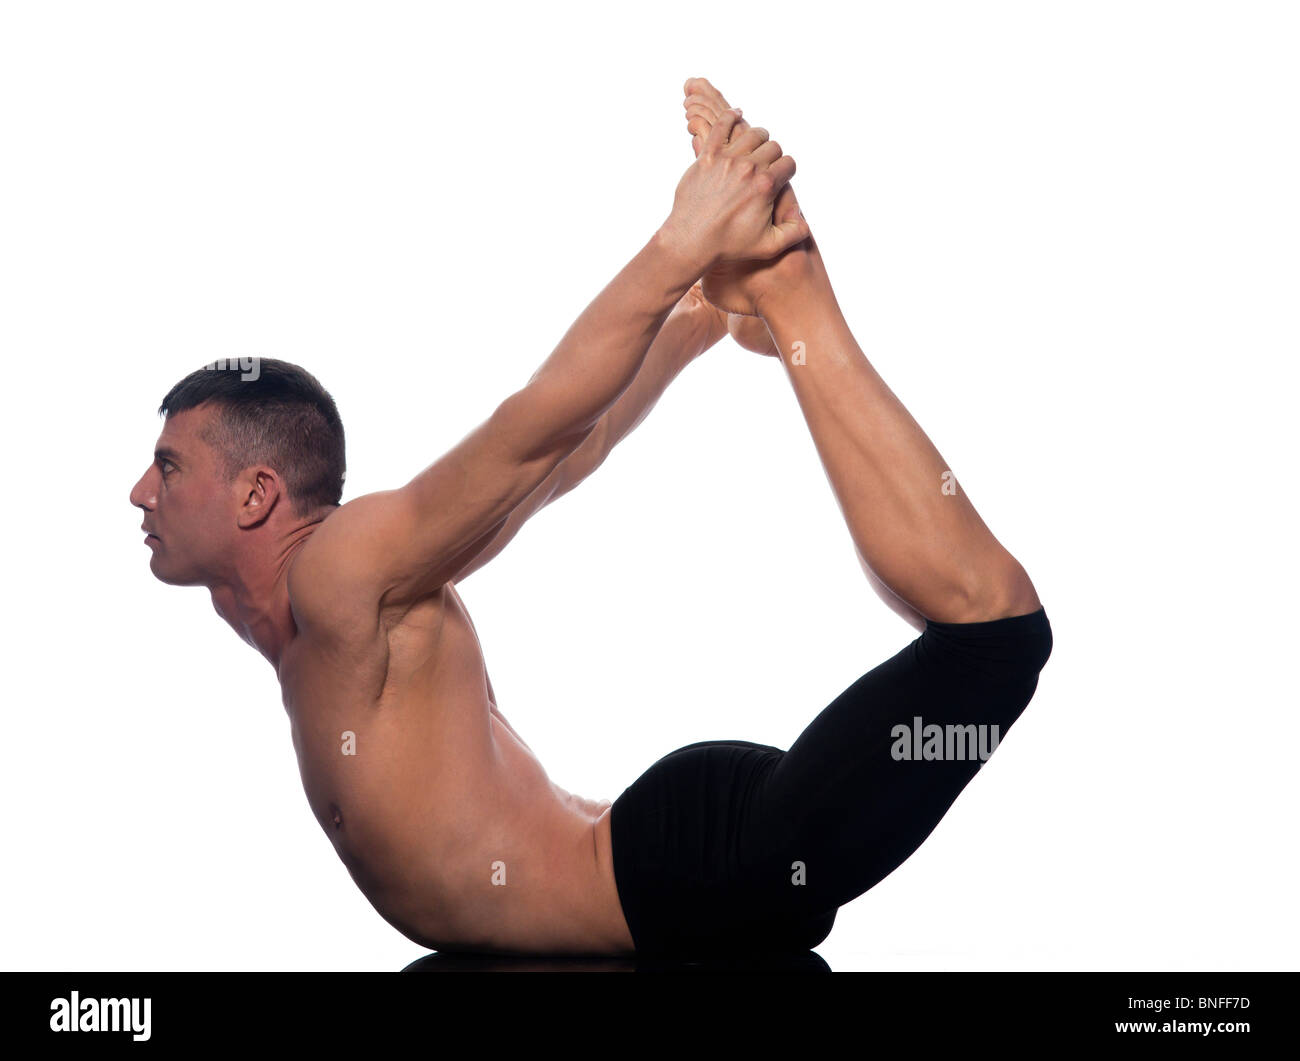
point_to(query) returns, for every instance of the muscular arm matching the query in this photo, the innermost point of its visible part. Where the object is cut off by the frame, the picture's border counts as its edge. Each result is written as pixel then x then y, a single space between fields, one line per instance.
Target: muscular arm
pixel 691 328
pixel 390 549
pixel 379 555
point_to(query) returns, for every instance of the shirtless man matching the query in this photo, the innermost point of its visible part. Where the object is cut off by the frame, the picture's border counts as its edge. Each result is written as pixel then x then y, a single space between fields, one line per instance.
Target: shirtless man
pixel 442 814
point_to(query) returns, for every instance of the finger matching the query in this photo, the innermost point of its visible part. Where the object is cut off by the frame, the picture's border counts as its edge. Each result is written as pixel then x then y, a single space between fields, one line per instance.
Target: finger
pixel 707 105
pixel 785 235
pixel 786 205
pixel 699 120
pixel 766 153
pixel 794 227
pixel 781 171
pixel 699 128
pixel 705 118
pixel 701 116
pixel 721 131
pixel 744 141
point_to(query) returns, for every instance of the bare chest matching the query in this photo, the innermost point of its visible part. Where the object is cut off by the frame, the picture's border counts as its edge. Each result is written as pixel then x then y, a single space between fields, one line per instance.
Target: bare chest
pixel 418 787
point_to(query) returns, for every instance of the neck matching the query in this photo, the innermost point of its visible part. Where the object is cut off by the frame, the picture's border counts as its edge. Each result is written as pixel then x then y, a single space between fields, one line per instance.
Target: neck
pixel 254 596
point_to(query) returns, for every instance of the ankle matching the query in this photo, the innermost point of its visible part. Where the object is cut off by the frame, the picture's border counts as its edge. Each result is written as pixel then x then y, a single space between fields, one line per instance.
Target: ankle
pixel 802 281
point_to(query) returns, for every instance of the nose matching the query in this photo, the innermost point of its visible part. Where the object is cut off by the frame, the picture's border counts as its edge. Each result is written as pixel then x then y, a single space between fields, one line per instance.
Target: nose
pixel 143 495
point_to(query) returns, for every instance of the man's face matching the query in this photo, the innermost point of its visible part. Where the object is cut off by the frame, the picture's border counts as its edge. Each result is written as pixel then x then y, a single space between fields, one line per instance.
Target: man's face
pixel 189 508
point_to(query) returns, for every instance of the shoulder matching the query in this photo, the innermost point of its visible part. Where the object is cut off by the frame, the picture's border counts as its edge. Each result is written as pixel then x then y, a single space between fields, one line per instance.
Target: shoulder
pixel 333 581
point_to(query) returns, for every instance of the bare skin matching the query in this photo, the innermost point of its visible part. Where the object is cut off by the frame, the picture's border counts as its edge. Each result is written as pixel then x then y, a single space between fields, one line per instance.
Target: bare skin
pixel 925 549
pixel 441 813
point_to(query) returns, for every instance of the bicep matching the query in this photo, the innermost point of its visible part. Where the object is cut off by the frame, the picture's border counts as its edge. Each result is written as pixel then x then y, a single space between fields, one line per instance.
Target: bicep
pixel 563 478
pixel 402 545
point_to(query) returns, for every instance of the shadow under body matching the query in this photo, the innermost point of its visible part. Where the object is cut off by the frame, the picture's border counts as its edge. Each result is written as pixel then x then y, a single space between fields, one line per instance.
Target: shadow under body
pixel 443 962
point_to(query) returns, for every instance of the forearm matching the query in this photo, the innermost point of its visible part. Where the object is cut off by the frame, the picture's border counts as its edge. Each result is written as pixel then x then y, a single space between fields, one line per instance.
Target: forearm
pixel 691 328
pixel 603 351
pixel 684 336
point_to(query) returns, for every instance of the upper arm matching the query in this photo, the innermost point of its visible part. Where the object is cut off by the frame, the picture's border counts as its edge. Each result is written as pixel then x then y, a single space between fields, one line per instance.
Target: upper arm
pixel 395 547
pixel 563 477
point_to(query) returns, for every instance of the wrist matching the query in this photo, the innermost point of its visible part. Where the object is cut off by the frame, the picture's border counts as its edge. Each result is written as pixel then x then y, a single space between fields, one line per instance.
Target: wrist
pixel 680 252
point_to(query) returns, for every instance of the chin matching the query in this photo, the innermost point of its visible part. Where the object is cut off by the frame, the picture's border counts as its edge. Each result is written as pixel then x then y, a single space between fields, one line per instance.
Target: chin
pixel 163 573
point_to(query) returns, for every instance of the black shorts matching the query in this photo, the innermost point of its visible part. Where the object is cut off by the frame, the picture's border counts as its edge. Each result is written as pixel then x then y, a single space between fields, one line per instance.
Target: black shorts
pixel 731 847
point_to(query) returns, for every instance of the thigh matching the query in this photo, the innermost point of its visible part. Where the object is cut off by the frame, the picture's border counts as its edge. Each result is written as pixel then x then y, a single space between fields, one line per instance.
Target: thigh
pixel 872 775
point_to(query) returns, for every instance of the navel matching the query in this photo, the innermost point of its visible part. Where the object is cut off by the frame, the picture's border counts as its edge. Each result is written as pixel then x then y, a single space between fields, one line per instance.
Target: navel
pixel 336 816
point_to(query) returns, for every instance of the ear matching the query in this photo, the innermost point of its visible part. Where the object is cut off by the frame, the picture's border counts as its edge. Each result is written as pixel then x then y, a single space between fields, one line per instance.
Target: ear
pixel 259 490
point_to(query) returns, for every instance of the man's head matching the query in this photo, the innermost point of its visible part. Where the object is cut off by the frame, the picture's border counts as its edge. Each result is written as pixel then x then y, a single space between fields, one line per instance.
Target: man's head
pixel 240 452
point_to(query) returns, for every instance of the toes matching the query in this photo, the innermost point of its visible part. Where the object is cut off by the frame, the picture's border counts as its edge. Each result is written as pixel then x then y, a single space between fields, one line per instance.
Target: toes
pixel 700 118
pixel 702 115
pixel 700 86
pixel 693 103
pixel 699 126
pixel 704 105
pixel 701 111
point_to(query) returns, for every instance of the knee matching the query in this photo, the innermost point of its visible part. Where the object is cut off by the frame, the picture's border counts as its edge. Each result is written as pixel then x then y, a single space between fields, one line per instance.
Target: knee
pixel 1009 649
pixel 1001 590
pixel 1035 641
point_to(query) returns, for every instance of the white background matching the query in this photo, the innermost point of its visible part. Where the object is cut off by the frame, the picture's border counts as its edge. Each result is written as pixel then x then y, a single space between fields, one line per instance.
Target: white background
pixel 1066 235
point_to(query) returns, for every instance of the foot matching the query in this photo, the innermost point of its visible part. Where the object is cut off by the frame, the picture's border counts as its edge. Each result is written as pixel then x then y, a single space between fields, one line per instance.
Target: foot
pixel 696 305
pixel 751 333
pixel 739 288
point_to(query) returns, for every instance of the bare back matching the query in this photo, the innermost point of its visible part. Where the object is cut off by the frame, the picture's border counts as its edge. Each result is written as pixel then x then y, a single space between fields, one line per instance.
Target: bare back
pixel 444 818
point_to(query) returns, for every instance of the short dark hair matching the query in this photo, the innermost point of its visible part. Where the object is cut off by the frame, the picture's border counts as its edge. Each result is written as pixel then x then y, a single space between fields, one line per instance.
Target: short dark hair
pixel 270 412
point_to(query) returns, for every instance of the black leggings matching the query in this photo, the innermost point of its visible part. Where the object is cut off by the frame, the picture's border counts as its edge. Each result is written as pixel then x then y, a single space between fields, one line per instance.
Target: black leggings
pixel 726 847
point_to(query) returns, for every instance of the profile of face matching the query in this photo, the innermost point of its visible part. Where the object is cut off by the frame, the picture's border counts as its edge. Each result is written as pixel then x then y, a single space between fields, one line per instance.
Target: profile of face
pixel 191 512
